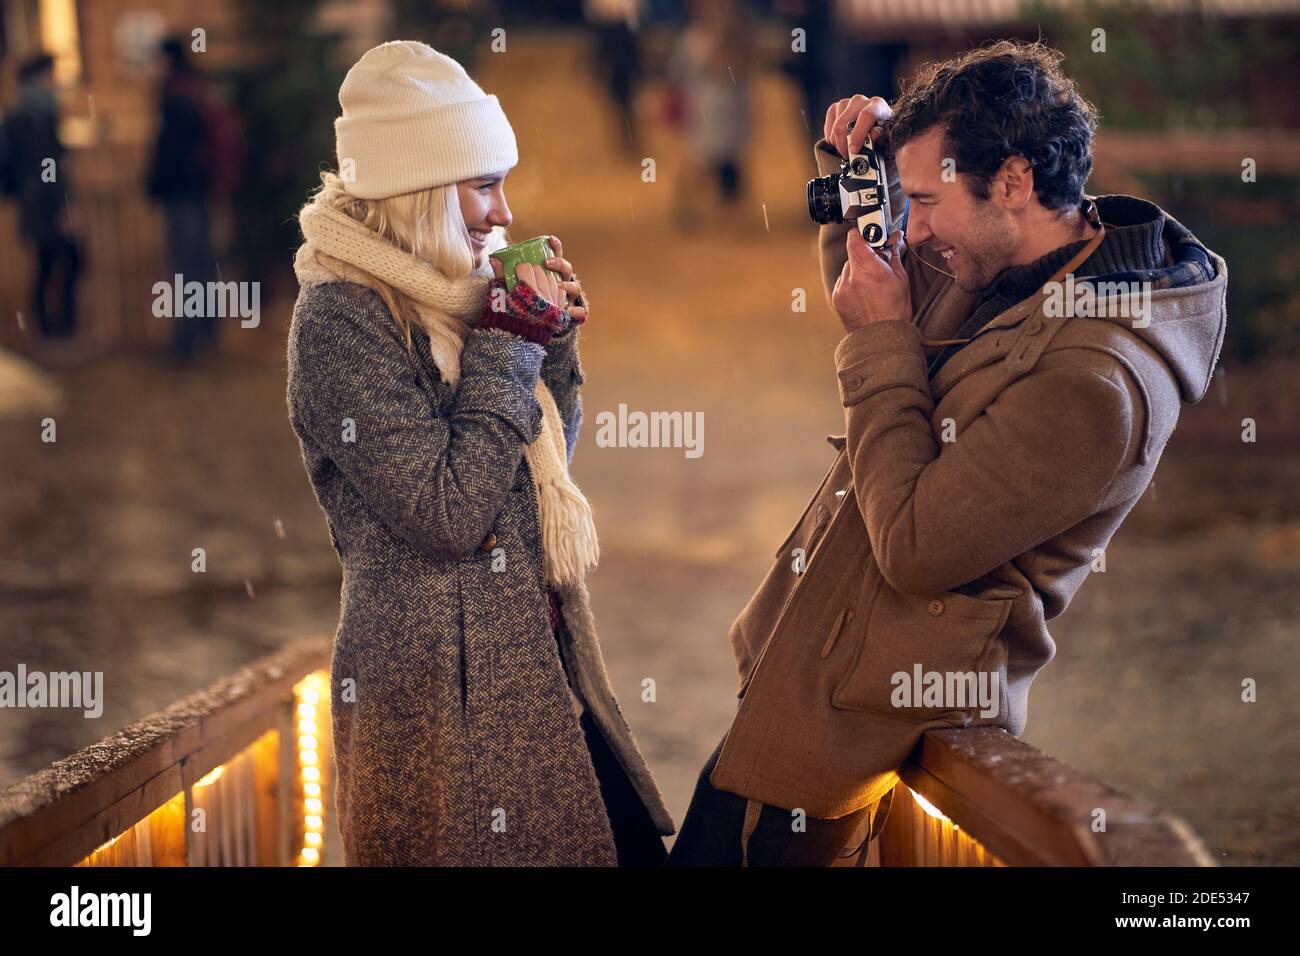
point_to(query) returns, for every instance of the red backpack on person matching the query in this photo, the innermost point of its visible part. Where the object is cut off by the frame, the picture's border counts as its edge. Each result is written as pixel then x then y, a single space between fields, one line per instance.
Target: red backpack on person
pixel 223 153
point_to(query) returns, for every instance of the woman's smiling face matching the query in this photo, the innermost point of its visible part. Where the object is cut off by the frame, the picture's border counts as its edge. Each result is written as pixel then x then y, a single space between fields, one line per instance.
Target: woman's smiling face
pixel 483 207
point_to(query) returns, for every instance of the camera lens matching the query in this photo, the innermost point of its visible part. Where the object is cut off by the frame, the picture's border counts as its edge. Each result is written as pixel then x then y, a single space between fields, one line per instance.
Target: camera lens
pixel 824 200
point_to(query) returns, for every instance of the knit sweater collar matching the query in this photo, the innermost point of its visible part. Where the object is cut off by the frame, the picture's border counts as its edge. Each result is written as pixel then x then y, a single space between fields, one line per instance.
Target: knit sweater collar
pixel 1123 248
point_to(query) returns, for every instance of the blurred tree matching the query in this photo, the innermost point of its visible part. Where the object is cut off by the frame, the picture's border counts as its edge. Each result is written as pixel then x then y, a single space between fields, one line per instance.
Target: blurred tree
pixel 286 90
pixel 1251 226
pixel 1162 68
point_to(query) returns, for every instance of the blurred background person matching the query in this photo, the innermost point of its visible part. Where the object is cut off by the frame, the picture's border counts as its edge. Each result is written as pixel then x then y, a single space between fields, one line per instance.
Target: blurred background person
pixel 828 61
pixel 709 74
pixel 811 63
pixel 32 171
pixel 195 159
pixel 618 60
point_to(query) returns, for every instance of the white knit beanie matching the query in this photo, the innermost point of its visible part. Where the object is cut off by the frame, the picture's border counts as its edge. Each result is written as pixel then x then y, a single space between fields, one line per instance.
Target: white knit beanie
pixel 413 119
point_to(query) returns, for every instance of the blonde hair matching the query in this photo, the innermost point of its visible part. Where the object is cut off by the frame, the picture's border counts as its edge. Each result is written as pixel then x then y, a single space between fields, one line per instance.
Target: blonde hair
pixel 426 223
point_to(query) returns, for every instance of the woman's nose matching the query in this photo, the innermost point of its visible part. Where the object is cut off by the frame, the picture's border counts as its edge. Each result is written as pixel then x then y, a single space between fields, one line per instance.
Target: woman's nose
pixel 500 215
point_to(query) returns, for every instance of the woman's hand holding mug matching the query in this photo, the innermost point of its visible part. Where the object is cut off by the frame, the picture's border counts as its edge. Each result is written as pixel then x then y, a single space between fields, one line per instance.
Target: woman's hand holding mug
pixel 533 310
pixel 574 296
pixel 536 278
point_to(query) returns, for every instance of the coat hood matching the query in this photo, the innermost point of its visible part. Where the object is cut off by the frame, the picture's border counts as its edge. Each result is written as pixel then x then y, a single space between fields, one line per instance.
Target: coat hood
pixel 1188 295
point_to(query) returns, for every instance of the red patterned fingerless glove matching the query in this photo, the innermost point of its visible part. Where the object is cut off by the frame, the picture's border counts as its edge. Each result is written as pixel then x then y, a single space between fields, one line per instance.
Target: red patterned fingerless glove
pixel 525 314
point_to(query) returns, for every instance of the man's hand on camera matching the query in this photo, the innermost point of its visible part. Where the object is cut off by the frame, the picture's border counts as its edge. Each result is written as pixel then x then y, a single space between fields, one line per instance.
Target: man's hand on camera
pixel 863 113
pixel 871 288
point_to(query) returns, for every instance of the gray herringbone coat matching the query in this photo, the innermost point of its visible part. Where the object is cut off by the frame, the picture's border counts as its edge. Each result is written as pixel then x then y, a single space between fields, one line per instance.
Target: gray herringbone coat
pixel 462 745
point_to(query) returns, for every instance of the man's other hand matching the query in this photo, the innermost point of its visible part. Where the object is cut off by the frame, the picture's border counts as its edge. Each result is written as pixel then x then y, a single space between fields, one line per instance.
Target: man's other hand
pixel 872 288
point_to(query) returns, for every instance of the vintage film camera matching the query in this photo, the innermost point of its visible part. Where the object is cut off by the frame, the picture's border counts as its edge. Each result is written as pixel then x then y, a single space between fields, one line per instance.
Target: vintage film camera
pixel 859 191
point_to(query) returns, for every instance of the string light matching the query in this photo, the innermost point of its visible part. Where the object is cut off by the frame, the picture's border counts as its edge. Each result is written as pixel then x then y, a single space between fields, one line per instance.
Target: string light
pixel 927 806
pixel 308 692
pixel 210 778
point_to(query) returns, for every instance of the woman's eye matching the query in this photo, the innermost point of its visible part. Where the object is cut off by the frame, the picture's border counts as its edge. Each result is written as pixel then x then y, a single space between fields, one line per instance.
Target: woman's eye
pixel 486 187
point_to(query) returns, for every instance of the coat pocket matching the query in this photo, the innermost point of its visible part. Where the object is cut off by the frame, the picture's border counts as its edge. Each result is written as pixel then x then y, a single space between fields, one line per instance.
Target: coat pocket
pixel 922 656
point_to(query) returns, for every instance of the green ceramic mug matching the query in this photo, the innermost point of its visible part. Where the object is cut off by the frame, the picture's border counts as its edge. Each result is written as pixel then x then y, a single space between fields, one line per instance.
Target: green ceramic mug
pixel 536 250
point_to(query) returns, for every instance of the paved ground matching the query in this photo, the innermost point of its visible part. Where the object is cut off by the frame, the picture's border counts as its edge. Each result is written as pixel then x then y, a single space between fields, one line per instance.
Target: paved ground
pixel 1200 589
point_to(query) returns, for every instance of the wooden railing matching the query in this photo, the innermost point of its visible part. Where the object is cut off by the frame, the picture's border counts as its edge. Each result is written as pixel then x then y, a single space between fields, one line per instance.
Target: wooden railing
pixel 235 775
pixel 239 774
pixel 981 797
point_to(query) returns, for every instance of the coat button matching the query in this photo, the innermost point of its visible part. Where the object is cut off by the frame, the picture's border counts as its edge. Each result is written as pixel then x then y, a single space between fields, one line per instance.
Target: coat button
pixel 489 542
pixel 936 607
pixel 853 381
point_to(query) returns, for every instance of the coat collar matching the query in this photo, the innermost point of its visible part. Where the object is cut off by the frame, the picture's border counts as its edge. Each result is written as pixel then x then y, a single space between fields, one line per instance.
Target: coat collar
pixel 991 344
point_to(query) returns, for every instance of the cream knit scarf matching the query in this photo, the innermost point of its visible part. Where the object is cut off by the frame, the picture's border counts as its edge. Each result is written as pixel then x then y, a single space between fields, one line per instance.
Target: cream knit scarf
pixel 340 248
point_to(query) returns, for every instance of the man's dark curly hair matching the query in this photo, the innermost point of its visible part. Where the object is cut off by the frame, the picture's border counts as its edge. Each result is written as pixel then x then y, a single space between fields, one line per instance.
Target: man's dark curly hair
pixel 1007 99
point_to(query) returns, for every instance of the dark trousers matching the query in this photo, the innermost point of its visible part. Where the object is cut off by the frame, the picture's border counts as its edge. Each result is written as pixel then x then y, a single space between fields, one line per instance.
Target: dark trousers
pixel 728 172
pixel 189 242
pixel 58 261
pixel 724 829
pixel 635 838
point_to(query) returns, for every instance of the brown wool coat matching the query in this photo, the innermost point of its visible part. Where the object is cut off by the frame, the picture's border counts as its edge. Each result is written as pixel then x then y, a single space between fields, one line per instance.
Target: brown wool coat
pixel 949 554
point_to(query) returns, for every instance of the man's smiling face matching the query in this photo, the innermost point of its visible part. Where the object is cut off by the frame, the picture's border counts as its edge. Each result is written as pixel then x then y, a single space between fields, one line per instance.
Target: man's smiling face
pixel 976 238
